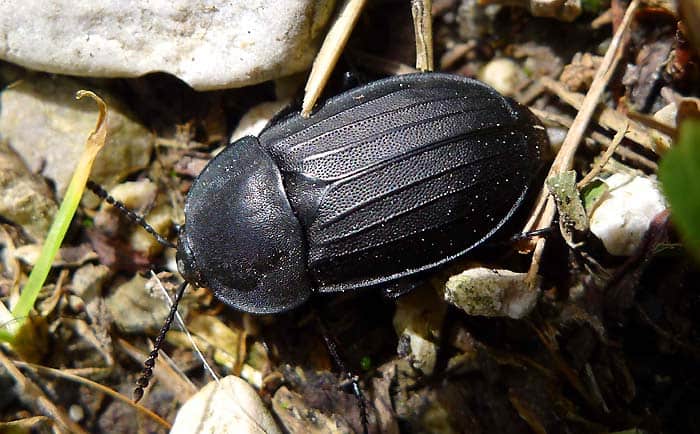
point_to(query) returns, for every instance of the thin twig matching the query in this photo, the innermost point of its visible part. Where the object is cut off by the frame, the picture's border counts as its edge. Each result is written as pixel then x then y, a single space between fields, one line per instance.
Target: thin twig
pixel 456 53
pixel 102 388
pixel 528 95
pixel 650 121
pixel 623 152
pixel 598 166
pixel 606 117
pixel 602 20
pixel 423 27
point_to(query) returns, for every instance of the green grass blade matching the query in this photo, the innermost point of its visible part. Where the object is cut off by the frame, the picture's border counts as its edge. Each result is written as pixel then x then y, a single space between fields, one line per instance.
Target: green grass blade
pixel 62 221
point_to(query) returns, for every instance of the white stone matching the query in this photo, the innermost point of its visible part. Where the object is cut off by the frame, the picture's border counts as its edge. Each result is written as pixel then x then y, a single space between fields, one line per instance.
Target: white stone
pixel 666 115
pixel 502 74
pixel 623 215
pixel 209 44
pixel 230 406
pixel 423 353
pixel 418 321
pixel 489 292
pixel 255 119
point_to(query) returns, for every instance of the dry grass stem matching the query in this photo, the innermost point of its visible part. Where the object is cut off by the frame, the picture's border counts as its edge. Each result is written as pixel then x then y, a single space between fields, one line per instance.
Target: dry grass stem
pixel 598 166
pixel 423 27
pixel 605 116
pixel 34 396
pixel 89 383
pixel 625 153
pixel 330 51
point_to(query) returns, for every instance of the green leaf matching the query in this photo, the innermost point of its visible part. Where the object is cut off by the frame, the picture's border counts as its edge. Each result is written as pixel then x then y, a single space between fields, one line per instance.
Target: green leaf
pixel 592 193
pixel 679 173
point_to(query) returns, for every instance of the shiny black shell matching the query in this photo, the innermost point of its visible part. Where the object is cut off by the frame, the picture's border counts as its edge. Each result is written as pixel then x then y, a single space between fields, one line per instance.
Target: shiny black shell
pixel 381 183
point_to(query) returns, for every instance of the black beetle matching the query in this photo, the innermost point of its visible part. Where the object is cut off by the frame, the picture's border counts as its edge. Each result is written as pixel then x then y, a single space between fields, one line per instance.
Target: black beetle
pixel 380 184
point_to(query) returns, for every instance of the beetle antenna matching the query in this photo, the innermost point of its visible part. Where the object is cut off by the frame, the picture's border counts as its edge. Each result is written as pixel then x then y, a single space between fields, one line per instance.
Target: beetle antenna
pixel 135 218
pixel 150 362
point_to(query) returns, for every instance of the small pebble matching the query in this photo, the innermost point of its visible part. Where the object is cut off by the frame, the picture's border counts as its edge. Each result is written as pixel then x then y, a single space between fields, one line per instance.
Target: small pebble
pixel 625 212
pixel 502 74
pixel 229 406
pixel 255 119
pixel 76 412
pixel 489 292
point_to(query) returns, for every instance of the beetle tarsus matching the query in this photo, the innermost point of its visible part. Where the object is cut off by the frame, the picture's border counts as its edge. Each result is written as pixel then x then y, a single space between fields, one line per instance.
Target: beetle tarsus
pixel 357 391
pixel 542 232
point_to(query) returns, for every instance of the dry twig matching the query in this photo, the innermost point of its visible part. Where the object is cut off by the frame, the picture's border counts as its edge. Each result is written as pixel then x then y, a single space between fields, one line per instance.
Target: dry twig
pixel 34 396
pixel 606 117
pixel 87 382
pixel 423 27
pixel 623 152
pixel 595 170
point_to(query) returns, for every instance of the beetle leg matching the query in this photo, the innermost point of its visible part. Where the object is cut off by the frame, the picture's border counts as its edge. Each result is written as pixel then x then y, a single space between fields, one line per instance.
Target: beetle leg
pixel 351 379
pixel 534 233
pixel 352 382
